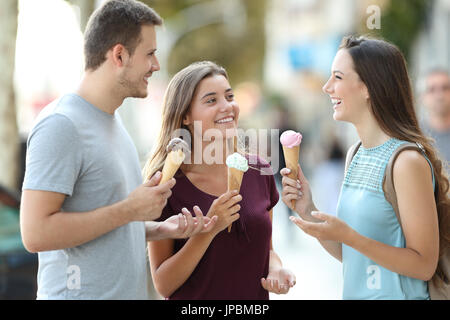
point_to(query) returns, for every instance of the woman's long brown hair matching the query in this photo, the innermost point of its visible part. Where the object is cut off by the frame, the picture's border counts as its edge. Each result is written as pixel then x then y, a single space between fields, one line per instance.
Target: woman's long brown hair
pixel 382 68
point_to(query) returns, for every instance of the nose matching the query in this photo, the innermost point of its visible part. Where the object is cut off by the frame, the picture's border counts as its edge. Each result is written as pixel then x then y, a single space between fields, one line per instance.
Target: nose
pixel 155 64
pixel 327 87
pixel 227 106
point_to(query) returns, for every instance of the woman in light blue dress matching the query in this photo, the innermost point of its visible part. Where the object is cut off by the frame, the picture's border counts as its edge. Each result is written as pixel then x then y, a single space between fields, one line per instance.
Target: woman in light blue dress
pixel 383 257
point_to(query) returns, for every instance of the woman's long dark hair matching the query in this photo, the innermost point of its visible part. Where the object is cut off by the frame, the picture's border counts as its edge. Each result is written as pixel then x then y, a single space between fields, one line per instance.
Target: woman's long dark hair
pixel 382 68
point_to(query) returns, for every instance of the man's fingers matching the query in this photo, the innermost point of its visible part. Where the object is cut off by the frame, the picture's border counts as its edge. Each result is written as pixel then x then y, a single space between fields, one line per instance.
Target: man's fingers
pixel 209 223
pixel 154 181
pixel 199 223
pixel 167 194
pixel 189 220
pixel 166 186
pixel 198 211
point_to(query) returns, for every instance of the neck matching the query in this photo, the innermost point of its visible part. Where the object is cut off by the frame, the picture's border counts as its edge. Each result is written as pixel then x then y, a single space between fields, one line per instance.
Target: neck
pixel 97 87
pixel 370 133
pixel 440 123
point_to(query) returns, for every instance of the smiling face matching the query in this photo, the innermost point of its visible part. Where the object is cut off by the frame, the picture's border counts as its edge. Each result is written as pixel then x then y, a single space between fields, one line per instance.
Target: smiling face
pixel 213 104
pixel 139 67
pixel 349 95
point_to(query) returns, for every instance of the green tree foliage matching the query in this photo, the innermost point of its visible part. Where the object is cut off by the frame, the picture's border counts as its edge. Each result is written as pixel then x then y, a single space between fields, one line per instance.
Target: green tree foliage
pixel 401 22
pixel 240 51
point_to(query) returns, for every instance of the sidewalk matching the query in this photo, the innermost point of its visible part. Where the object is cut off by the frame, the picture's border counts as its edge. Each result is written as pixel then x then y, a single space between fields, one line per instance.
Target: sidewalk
pixel 319 275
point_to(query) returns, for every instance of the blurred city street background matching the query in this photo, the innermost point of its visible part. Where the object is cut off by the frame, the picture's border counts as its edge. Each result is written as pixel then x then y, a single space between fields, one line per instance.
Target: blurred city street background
pixel 278 54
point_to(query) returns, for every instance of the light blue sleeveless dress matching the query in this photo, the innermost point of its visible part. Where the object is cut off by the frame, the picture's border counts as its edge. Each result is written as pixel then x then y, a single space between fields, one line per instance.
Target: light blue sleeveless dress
pixel 363 206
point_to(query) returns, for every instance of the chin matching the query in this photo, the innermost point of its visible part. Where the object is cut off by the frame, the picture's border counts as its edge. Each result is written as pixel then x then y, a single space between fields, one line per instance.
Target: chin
pixel 338 116
pixel 140 95
pixel 229 132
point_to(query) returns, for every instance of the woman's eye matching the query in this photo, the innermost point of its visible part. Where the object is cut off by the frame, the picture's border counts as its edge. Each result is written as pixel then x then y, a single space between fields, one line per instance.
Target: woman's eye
pixel 212 100
pixel 230 97
pixel 338 77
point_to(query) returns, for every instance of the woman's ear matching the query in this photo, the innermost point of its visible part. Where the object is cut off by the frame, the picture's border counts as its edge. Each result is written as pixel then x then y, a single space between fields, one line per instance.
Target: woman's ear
pixel 187 120
pixel 365 92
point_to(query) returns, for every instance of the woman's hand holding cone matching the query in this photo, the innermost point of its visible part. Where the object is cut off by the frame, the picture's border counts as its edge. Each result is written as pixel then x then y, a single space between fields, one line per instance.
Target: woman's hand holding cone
pixel 298 190
pixel 226 208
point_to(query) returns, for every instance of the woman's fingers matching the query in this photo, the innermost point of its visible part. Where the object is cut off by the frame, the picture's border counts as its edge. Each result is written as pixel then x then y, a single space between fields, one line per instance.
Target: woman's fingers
pixel 227 196
pixel 232 201
pixel 301 177
pixel 234 209
pixel 291 190
pixel 272 285
pixel 286 181
pixel 234 217
pixel 314 229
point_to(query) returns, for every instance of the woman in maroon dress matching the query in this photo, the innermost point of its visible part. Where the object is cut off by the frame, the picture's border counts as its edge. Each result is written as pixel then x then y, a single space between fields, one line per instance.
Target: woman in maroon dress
pixel 240 264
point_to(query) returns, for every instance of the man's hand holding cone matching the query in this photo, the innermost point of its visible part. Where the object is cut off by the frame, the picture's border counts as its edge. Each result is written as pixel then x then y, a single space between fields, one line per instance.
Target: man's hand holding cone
pixel 177 149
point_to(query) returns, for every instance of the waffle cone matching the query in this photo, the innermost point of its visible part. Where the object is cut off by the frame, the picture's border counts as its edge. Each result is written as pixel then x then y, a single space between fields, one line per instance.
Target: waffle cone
pixel 234 182
pixel 173 162
pixel 291 158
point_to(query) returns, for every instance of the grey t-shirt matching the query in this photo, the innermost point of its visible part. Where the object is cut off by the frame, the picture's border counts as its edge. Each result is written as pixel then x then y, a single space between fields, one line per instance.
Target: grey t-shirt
pixel 442 142
pixel 78 150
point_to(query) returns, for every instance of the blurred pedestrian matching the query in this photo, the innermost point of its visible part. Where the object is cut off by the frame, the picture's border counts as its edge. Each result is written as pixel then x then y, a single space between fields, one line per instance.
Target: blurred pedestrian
pixel 436 100
pixel 240 264
pixel 83 205
pixel 383 257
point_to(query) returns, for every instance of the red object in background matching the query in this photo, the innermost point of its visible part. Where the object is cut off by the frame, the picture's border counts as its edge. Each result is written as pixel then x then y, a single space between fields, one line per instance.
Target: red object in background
pixel 39 103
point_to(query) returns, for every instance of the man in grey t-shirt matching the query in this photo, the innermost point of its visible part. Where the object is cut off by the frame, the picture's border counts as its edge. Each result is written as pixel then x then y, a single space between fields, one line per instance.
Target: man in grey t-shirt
pixel 436 100
pixel 83 207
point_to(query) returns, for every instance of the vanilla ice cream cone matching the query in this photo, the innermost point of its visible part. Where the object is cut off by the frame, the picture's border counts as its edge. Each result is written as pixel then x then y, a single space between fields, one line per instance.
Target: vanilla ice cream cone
pixel 173 162
pixel 234 182
pixel 237 166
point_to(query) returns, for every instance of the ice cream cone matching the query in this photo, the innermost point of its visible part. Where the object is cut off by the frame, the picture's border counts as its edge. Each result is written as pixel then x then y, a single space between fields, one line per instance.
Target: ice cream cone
pixel 234 182
pixel 291 158
pixel 234 179
pixel 173 161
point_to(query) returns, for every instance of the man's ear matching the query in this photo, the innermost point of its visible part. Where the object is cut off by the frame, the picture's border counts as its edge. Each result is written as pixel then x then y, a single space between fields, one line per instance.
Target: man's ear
pixel 119 55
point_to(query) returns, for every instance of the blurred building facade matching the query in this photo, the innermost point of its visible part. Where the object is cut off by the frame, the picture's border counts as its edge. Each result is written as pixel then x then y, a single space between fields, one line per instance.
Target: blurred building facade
pixel 432 48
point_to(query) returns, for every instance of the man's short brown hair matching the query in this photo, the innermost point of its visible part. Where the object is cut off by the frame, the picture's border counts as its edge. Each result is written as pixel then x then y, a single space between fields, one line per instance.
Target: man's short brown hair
pixel 116 22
